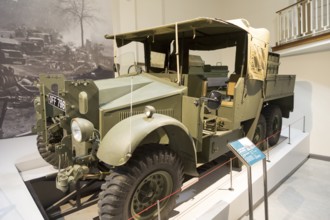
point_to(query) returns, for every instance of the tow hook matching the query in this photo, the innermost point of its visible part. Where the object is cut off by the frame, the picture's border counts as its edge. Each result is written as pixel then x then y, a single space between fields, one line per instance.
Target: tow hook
pixel 70 175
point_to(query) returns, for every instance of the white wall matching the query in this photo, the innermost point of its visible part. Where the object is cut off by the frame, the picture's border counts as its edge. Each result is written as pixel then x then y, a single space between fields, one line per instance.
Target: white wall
pixel 312 96
pixel 313 81
pixel 312 70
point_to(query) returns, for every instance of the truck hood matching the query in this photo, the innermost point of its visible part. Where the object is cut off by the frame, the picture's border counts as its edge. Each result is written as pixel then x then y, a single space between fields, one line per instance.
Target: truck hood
pixel 120 92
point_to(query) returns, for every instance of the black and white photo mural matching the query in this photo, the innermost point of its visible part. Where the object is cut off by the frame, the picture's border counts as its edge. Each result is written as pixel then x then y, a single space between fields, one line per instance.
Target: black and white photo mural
pixel 48 37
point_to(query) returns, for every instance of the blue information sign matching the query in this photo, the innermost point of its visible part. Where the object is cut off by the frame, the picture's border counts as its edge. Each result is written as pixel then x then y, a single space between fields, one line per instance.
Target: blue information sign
pixel 247 151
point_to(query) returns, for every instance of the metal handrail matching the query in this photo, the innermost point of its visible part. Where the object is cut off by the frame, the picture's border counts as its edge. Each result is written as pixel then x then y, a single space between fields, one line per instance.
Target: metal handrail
pixel 290 6
pixel 303 19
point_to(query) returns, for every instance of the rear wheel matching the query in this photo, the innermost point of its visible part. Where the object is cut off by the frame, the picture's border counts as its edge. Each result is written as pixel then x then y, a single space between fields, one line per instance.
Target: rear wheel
pixel 273 116
pixel 131 191
pixel 260 133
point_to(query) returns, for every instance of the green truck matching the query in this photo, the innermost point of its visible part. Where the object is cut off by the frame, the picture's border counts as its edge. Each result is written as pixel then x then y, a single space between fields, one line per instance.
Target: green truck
pixel 167 112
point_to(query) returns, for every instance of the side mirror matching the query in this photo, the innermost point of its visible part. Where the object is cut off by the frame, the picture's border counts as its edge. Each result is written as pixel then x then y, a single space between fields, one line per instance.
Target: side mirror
pixel 214 100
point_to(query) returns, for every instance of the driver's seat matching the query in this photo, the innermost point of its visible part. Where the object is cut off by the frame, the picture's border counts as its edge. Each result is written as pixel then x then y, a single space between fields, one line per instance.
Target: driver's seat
pixel 230 91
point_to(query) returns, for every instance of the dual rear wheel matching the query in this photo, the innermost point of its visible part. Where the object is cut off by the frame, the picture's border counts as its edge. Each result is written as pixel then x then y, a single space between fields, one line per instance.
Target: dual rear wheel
pixel 269 126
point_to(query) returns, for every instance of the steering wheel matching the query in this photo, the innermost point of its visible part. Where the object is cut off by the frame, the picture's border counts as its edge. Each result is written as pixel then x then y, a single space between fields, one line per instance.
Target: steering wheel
pixel 138 69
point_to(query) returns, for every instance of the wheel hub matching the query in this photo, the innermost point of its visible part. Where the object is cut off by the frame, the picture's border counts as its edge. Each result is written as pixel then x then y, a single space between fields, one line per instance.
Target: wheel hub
pixel 154 187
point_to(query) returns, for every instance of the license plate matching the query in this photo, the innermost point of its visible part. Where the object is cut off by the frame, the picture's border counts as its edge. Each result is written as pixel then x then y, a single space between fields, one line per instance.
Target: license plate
pixel 56 101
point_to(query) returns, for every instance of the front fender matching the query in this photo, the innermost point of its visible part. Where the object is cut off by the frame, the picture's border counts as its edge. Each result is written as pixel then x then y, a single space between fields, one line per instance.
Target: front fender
pixel 119 143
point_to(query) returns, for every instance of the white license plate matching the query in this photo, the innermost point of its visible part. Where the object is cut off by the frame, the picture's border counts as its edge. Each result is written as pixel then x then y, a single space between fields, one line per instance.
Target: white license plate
pixel 56 101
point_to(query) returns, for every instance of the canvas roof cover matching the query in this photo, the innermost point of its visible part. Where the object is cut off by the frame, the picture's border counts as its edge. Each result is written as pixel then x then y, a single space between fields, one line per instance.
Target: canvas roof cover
pixel 203 26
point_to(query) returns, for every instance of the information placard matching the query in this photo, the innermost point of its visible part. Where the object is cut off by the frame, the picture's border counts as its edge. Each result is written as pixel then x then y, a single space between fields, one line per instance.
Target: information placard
pixel 249 154
pixel 246 150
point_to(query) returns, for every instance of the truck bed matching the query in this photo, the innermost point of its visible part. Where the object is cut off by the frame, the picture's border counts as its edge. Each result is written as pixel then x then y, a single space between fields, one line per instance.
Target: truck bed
pixel 278 86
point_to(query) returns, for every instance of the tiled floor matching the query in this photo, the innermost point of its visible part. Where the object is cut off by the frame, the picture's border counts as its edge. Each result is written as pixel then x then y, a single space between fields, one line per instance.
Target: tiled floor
pixel 305 195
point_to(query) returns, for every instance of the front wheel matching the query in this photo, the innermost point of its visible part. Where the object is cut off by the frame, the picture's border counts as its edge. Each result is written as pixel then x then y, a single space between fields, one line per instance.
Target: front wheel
pixel 131 191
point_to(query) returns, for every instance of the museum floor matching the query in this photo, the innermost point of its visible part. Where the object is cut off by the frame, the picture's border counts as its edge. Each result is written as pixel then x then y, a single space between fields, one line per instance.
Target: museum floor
pixel 305 195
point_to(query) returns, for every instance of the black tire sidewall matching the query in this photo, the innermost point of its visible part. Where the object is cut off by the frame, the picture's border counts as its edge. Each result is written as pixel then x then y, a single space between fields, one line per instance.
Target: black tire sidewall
pixel 272 113
pixel 145 161
pixel 262 126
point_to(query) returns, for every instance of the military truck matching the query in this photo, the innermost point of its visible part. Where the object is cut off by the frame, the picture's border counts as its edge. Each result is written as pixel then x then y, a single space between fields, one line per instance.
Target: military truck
pixel 166 113
pixel 10 52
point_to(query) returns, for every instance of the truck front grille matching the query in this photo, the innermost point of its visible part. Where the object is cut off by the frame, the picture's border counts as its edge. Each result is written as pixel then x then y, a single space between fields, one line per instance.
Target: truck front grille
pixel 126 114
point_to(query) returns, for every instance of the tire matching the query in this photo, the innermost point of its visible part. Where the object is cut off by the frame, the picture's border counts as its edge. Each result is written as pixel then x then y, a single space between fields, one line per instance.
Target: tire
pixel 273 115
pixel 48 156
pixel 260 133
pixel 152 173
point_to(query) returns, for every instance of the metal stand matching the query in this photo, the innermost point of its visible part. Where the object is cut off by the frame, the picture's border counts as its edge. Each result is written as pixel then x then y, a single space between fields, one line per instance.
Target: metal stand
pixel 264 164
pixel 304 124
pixel 75 199
pixel 289 134
pixel 84 194
pixel 267 151
pixel 231 174
pixel 249 175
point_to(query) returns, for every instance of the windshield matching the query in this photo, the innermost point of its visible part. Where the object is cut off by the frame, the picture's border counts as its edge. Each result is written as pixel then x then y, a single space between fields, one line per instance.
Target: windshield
pixel 127 61
pixel 211 61
pixel 124 63
pixel 161 57
pixel 199 46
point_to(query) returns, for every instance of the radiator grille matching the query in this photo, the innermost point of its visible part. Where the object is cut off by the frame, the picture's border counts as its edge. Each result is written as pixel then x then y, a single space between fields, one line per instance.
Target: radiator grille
pixel 126 114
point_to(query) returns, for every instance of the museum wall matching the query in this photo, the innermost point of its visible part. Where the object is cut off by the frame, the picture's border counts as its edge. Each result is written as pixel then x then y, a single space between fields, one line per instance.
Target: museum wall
pixel 312 80
pixel 312 95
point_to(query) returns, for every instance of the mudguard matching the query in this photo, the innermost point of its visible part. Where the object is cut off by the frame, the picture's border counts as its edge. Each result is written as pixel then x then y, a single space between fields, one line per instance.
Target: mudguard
pixel 119 143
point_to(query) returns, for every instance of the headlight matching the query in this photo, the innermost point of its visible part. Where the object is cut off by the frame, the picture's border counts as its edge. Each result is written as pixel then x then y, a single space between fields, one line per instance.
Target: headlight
pixel 149 111
pixel 81 129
